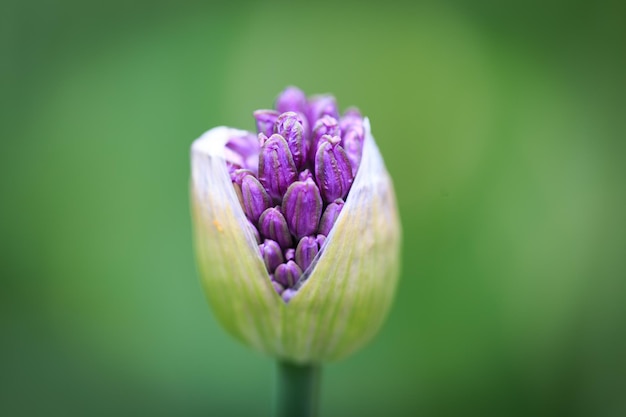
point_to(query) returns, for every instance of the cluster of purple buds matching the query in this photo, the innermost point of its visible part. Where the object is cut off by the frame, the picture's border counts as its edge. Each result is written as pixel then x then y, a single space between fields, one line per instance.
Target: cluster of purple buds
pixel 293 177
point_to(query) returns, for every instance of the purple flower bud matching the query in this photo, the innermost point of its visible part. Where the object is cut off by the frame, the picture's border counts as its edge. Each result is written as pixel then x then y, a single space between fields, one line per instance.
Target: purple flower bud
pixel 353 146
pixel 351 119
pixel 327 125
pixel 306 251
pixel 333 170
pixel 290 128
pixel 330 216
pixel 273 225
pixel 244 145
pixel 238 175
pixel 234 160
pixel 287 274
pixel 320 106
pixel 352 112
pixel 320 240
pixel 255 198
pixel 279 288
pixel 291 99
pixel 290 254
pixel 276 167
pixel 272 254
pixel 265 121
pixel 288 294
pixel 302 206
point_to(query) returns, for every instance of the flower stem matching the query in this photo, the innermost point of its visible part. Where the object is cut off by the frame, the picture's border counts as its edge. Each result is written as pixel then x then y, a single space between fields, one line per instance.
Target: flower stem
pixel 297 390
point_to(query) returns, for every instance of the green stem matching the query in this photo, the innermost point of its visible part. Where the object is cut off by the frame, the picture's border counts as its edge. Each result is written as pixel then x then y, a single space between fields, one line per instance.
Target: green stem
pixel 297 390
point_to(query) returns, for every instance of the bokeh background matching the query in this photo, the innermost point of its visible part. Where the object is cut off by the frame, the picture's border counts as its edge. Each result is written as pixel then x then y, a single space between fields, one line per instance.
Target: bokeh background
pixel 501 124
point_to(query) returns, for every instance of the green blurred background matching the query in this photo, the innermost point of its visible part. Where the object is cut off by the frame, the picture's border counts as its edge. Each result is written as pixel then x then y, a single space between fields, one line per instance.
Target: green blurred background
pixel 501 124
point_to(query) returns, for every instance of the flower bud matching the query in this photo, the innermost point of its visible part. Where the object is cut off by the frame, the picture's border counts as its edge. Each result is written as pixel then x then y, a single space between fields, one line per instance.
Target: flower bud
pixel 306 251
pixel 272 254
pixel 287 274
pixel 330 216
pixel 327 125
pixel 302 206
pixel 265 121
pixel 291 99
pixel 255 198
pixel 276 167
pixel 288 294
pixel 277 287
pixel 332 169
pixel 273 225
pixel 290 128
pixel 307 307
pixel 320 106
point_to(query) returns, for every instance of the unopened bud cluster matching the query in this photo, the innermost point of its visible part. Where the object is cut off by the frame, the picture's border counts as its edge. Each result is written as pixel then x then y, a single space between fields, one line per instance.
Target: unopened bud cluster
pixel 292 179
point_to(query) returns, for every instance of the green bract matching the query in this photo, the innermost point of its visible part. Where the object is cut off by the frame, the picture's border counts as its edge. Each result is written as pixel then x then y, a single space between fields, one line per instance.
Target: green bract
pixel 345 300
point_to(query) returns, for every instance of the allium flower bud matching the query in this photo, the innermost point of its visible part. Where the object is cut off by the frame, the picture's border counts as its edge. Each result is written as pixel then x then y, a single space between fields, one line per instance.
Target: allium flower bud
pixel 255 198
pixel 287 274
pixel 265 121
pixel 276 167
pixel 330 216
pixel 273 225
pixel 332 168
pixel 272 254
pixel 290 128
pixel 302 206
pixel 291 99
pixel 320 106
pixel 327 125
pixel 306 252
pixel 320 284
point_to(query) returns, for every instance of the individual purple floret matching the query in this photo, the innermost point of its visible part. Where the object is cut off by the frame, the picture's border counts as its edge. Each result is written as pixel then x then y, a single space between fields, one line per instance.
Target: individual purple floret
pixel 330 216
pixel 353 137
pixel 292 179
pixel 245 146
pixel 287 274
pixel 333 170
pixel 277 287
pixel 327 125
pixel 353 146
pixel 291 99
pixel 272 254
pixel 255 198
pixel 238 175
pixel 290 128
pixel 276 167
pixel 306 251
pixel 302 207
pixel 265 121
pixel 320 106
pixel 272 224
pixel 288 294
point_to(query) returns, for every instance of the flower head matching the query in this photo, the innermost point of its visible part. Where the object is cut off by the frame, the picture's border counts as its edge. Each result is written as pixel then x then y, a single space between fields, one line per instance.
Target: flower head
pixel 296 229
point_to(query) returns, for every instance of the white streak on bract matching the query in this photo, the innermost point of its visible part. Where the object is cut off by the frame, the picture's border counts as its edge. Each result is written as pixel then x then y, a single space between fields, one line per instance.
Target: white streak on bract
pixel 346 298
pixel 232 271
